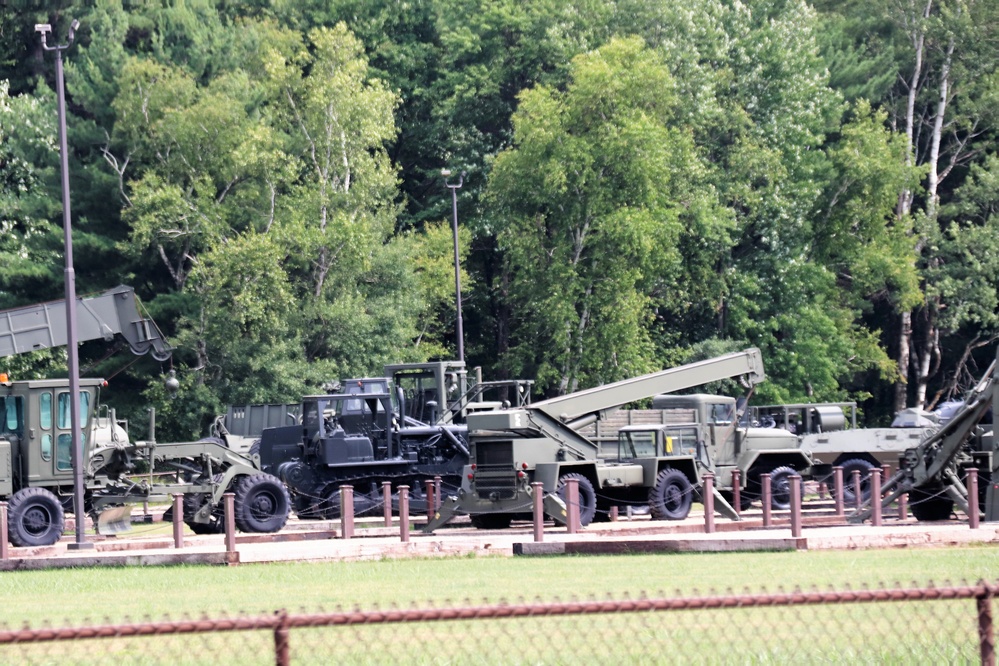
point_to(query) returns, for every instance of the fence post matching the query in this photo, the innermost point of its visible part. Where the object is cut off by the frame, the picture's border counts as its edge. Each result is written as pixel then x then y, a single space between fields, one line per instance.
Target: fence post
pixel 572 504
pixel 437 495
pixel 708 498
pixel 973 516
pixel 387 502
pixel 537 498
pixel 765 498
pixel 282 642
pixel 886 472
pixel 178 520
pixel 858 496
pixel 4 546
pixel 986 637
pixel 838 490
pixel 795 481
pixel 737 491
pixel 876 497
pixel 230 522
pixel 346 511
pixel 903 506
pixel 431 501
pixel 613 513
pixel 404 513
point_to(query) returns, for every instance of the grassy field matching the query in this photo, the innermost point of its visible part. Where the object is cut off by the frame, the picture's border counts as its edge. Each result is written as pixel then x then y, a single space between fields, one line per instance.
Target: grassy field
pixel 941 632
pixel 35 596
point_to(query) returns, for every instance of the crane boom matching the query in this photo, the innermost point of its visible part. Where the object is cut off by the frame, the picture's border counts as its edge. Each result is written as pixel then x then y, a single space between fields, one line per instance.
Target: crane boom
pixel 114 312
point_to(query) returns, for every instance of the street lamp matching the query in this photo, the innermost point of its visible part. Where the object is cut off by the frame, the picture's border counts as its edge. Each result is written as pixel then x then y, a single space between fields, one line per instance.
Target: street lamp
pixel 73 361
pixel 457 273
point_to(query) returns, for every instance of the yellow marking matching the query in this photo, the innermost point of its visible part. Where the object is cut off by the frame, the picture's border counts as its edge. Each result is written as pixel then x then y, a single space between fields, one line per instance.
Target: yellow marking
pixel 669 445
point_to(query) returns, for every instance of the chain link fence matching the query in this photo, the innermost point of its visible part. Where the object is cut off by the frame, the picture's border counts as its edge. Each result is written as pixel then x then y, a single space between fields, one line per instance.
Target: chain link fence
pixel 950 624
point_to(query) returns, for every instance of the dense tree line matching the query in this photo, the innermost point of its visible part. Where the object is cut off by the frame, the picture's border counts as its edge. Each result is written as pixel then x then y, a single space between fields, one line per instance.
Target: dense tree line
pixel 647 182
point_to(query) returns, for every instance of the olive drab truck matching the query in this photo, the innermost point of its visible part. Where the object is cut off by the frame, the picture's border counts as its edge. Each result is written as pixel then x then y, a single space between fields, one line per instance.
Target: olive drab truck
pixel 36 471
pixel 511 449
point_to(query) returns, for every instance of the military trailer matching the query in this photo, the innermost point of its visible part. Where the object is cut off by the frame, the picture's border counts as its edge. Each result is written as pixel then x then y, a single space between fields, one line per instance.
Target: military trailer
pixel 511 449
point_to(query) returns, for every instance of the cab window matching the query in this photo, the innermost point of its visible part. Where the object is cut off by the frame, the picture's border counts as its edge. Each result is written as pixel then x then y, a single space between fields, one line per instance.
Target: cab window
pixel 722 414
pixel 11 412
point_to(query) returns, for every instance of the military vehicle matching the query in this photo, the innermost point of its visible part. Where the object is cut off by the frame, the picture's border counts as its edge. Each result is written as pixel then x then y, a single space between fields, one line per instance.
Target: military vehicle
pixel 934 473
pixel 36 471
pixel 406 428
pixel 513 448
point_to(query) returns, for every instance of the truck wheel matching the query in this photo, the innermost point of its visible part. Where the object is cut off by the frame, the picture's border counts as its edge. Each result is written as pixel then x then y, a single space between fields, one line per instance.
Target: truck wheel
pixel 671 496
pixel 933 504
pixel 587 496
pixel 35 518
pixel 194 501
pixel 780 488
pixel 864 467
pixel 262 504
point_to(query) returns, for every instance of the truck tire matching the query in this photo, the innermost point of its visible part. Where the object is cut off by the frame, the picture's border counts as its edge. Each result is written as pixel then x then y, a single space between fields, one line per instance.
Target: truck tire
pixel 194 501
pixel 930 504
pixel 780 488
pixel 35 518
pixel 671 496
pixel 864 467
pixel 587 496
pixel 262 504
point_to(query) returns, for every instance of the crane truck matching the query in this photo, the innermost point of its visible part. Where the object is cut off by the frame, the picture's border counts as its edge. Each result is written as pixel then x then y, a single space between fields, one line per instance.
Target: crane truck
pixel 513 448
pixel 36 471
pixel 934 473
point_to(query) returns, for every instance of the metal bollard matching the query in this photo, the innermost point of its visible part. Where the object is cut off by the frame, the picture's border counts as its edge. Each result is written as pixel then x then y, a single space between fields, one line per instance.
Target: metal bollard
pixel 387 502
pixel 903 506
pixel 858 492
pixel 708 497
pixel 4 546
pixel 838 490
pixel 178 520
pixel 972 481
pixel 572 504
pixel 765 498
pixel 538 500
pixel 346 511
pixel 737 491
pixel 795 481
pixel 437 494
pixel 230 522
pixel 613 514
pixel 431 502
pixel 404 513
pixel 876 497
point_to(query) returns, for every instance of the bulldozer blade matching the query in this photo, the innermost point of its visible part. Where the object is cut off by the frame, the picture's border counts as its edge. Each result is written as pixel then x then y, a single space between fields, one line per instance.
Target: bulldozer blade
pixel 115 520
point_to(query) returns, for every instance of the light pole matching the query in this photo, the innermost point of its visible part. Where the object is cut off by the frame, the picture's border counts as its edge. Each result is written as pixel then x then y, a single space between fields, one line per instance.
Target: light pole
pixel 457 272
pixel 73 361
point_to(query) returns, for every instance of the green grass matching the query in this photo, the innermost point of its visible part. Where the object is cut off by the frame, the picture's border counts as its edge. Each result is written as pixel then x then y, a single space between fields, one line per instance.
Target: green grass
pixel 54 595
pixel 910 632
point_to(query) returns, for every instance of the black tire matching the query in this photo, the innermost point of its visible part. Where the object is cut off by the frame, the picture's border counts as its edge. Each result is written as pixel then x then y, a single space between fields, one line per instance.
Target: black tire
pixel 780 488
pixel 491 521
pixel 671 496
pixel 262 504
pixel 34 518
pixel 864 467
pixel 587 496
pixel 215 524
pixel 930 504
